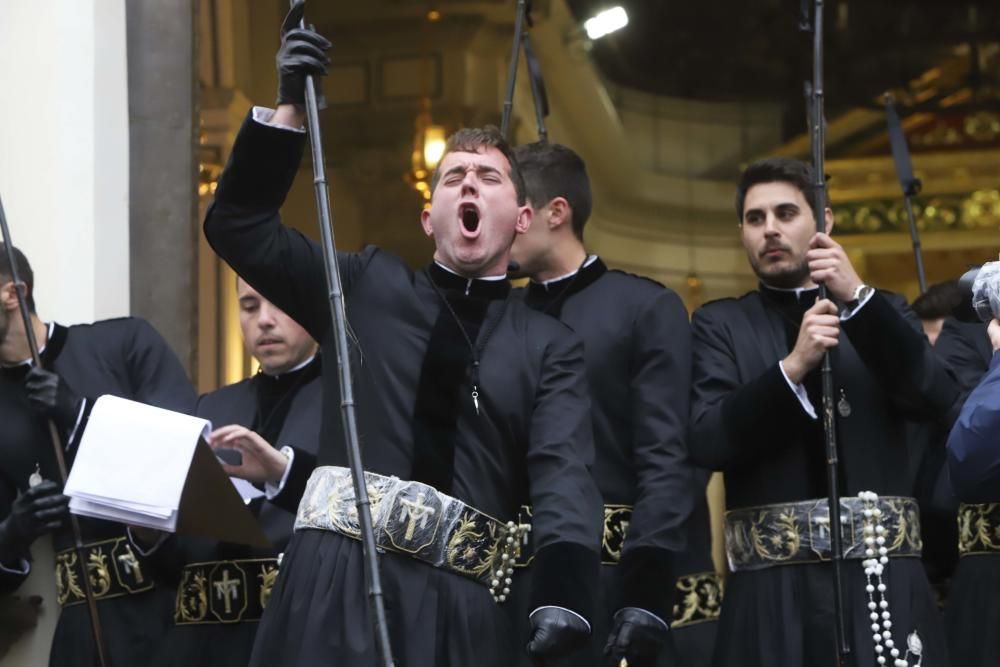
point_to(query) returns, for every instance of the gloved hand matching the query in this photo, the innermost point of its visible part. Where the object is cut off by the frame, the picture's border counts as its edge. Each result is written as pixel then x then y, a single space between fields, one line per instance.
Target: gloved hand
pixel 556 632
pixel 39 510
pixel 302 53
pixel 637 636
pixel 51 397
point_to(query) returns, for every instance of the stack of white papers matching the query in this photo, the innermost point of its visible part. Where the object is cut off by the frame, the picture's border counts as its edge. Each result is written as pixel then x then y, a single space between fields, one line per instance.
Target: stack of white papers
pixel 132 463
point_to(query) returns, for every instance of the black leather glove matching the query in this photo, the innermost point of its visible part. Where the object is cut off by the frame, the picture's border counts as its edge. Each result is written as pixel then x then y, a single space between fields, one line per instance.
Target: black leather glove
pixel 39 510
pixel 637 636
pixel 302 52
pixel 556 632
pixel 51 397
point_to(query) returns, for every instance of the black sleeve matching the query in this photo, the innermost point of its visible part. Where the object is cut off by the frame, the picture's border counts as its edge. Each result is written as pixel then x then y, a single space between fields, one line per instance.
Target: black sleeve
pixel 965 349
pixel 659 395
pixel 9 580
pixel 155 373
pixel 890 341
pixel 303 463
pixel 244 227
pixel 733 421
pixel 566 505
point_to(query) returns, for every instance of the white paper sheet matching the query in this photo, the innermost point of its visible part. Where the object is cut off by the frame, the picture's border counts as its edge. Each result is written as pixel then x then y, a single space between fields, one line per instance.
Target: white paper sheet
pixel 132 463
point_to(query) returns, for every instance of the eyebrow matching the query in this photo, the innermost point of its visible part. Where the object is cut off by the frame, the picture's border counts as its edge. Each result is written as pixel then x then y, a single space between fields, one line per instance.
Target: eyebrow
pixel 786 206
pixel 480 169
pixel 245 300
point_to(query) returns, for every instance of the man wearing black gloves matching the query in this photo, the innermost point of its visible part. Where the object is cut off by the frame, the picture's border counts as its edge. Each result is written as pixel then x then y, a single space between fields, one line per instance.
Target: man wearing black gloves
pixel 467 403
pixel 126 358
pixel 755 415
pixel 266 419
pixel 637 347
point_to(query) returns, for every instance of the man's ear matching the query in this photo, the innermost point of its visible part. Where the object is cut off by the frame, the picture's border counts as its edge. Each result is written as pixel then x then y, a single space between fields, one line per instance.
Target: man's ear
pixel 8 297
pixel 525 216
pixel 425 222
pixel 560 213
pixel 828 221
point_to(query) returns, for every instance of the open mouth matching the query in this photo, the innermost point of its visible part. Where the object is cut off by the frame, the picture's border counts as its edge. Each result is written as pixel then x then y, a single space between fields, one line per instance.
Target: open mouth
pixel 469 215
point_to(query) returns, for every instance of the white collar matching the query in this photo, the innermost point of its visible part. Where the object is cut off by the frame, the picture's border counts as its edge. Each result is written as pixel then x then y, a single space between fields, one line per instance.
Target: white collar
pixel 291 370
pixel 587 262
pixel 51 326
pixel 456 273
pixel 798 290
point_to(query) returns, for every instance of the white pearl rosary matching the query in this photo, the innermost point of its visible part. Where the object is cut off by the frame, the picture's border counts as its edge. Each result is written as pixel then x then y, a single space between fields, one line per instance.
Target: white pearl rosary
pixel 875 562
pixel 509 548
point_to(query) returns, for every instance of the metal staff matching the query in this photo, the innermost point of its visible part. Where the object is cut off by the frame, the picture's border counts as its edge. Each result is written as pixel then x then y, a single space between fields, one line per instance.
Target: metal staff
pixel 814 91
pixel 909 183
pixel 57 446
pixel 339 316
pixel 538 95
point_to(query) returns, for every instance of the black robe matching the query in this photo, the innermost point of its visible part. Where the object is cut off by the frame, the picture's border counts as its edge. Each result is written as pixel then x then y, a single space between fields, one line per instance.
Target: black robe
pixel 747 422
pixel 973 611
pixel 284 410
pixel 637 347
pixel 126 358
pixel 416 419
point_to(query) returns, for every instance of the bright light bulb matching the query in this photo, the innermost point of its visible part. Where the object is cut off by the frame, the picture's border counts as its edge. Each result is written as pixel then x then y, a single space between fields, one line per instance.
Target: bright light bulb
pixel 434 143
pixel 606 22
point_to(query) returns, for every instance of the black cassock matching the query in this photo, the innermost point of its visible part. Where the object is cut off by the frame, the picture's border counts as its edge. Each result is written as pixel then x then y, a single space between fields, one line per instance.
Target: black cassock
pixel 284 410
pixel 126 358
pixel 637 347
pixel 747 422
pixel 973 612
pixel 417 420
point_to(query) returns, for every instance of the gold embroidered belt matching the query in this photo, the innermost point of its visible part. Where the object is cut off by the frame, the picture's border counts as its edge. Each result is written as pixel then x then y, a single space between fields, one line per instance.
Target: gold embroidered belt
pixel 787 533
pixel 225 591
pixel 616 520
pixel 699 599
pixel 978 529
pixel 412 518
pixel 113 569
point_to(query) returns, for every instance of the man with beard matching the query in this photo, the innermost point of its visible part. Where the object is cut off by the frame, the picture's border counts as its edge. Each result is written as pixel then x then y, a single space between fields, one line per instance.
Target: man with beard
pixel 124 357
pixel 266 419
pixel 467 402
pixel 637 348
pixel 756 394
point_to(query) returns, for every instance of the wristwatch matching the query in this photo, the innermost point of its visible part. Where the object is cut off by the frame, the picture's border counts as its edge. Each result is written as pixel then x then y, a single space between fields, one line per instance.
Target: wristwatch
pixel 861 293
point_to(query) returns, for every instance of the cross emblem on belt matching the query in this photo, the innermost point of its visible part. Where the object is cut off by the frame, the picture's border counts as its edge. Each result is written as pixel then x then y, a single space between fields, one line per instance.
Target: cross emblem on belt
pixel 226 589
pixel 130 562
pixel 414 511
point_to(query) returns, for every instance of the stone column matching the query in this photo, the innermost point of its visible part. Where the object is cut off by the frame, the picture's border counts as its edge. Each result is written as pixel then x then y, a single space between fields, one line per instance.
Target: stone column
pixel 163 206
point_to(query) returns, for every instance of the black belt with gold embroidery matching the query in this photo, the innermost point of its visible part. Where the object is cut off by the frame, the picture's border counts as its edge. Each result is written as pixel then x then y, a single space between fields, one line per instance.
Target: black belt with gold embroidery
pixel 616 520
pixel 113 569
pixel 225 591
pixel 978 529
pixel 799 532
pixel 414 519
pixel 699 599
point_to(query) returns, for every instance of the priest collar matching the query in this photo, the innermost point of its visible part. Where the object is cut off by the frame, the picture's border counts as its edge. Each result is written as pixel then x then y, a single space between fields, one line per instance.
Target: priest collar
pixel 789 295
pixel 48 350
pixel 542 295
pixel 490 287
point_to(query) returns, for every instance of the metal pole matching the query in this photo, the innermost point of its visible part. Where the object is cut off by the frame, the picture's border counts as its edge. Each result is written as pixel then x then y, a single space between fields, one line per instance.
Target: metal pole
pixel 515 53
pixel 57 446
pixel 818 137
pixel 909 183
pixel 339 317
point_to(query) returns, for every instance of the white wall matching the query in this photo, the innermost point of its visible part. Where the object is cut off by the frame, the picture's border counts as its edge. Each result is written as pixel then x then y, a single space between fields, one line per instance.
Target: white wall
pixel 64 151
pixel 64 184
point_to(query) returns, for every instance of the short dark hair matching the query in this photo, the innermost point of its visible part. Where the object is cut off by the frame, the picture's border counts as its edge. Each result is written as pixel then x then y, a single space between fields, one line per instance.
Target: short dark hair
pixel 474 139
pixel 24 272
pixel 940 300
pixel 554 170
pixel 776 170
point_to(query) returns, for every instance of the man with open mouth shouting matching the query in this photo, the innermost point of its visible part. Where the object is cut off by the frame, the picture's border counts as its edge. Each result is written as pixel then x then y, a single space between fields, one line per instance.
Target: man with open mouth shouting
pixel 469 405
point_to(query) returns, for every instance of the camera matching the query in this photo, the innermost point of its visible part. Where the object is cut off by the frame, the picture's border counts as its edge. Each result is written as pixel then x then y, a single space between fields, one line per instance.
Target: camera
pixel 980 288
